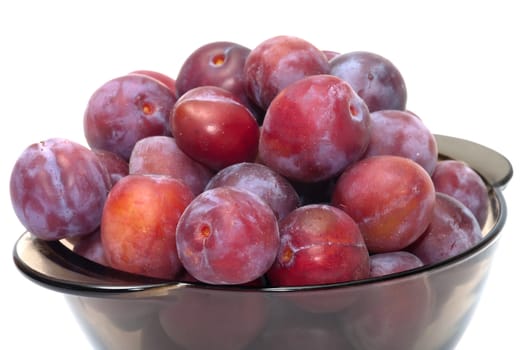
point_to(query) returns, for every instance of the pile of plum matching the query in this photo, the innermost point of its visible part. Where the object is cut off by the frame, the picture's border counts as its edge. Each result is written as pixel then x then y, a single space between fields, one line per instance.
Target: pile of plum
pixel 281 165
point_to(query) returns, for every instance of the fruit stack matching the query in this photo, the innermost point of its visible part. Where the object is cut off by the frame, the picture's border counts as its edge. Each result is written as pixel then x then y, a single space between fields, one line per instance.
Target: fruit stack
pixel 280 165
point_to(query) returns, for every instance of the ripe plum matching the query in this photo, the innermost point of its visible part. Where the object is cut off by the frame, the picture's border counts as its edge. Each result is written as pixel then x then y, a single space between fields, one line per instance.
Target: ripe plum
pixel 314 128
pixel 116 166
pixel 139 223
pixel 376 79
pixel 219 63
pixel 459 180
pixel 90 247
pixel 319 244
pixel 390 197
pixel 126 109
pixel 227 236
pixel 213 128
pixel 161 155
pixel 277 62
pixel 453 230
pixel 382 264
pixel 58 189
pixel 169 82
pixel 400 133
pixel 330 54
pixel 259 179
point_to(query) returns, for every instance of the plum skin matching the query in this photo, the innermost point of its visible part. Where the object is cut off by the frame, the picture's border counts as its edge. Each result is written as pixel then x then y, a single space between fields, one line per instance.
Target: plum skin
pixel 390 197
pixel 453 230
pixel 116 166
pixel 457 179
pixel 319 244
pixel 139 223
pixel 278 62
pixel 90 247
pixel 126 109
pixel 401 133
pixel 227 236
pixel 164 79
pixel 274 189
pixel 392 262
pixel 58 189
pixel 375 79
pixel 161 155
pixel 213 128
pixel 314 128
pixel 218 63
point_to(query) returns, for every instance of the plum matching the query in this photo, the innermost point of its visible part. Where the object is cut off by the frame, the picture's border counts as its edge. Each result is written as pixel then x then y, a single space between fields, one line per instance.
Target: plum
pixel 161 155
pixel 227 236
pixel 139 223
pixel 390 197
pixel 274 189
pixel 457 179
pixel 126 109
pixel 58 189
pixel 319 244
pixel 314 128
pixel 375 78
pixel 453 230
pixel 213 128
pixel 276 63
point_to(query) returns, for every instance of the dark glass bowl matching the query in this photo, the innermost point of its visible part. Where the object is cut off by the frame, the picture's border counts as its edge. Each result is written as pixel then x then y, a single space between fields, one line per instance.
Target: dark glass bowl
pixel 425 308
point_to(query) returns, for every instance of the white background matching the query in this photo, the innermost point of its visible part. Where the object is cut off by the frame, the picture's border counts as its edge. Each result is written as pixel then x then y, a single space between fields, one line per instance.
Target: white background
pixel 464 64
